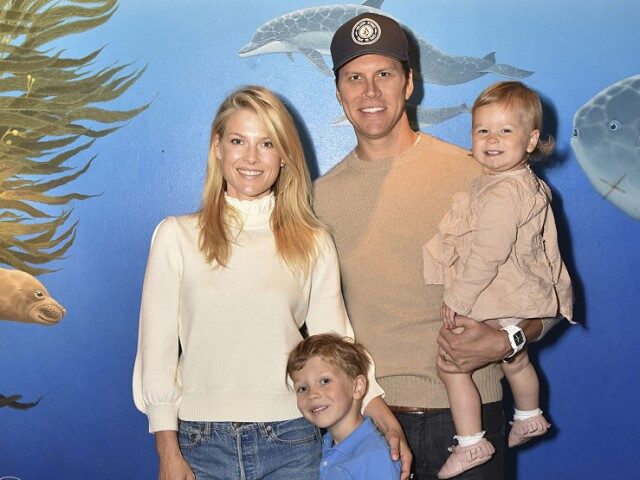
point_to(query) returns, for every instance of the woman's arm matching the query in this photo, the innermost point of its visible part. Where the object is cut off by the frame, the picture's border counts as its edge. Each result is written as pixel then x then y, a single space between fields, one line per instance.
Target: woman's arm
pixel 327 312
pixel 155 390
pixel 173 466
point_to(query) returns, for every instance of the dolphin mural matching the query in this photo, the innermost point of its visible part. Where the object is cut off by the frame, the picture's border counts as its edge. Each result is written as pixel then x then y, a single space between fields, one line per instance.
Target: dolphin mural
pixel 606 143
pixel 309 31
pixel 423 117
pixel 24 299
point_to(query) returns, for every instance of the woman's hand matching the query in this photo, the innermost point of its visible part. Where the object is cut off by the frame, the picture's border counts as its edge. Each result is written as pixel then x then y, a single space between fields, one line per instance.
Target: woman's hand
pixel 389 426
pixel 173 466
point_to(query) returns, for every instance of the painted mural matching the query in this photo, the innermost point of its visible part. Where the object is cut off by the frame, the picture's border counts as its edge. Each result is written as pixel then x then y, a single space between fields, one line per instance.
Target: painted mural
pixel 309 31
pixel 53 106
pixel 85 425
pixel 606 142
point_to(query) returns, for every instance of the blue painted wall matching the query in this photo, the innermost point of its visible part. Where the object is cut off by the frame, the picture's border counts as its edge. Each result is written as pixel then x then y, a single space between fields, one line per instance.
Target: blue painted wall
pixel 86 426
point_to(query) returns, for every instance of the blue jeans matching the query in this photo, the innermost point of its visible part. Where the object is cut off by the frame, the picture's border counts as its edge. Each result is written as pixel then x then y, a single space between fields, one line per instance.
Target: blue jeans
pixel 429 435
pixel 251 451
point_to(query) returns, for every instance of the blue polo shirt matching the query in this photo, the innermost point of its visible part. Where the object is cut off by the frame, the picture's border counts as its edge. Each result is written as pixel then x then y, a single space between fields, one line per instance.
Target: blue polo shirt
pixel 363 455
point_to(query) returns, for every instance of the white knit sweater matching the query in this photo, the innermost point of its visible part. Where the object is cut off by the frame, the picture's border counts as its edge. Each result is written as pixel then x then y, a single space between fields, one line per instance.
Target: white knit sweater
pixel 235 325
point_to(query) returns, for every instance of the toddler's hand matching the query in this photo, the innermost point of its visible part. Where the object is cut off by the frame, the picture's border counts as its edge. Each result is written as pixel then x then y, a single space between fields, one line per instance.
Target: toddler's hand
pixel 448 316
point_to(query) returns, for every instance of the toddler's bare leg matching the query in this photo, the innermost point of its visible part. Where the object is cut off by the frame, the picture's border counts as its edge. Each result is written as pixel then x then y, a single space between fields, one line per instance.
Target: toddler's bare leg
pixel 464 400
pixel 523 381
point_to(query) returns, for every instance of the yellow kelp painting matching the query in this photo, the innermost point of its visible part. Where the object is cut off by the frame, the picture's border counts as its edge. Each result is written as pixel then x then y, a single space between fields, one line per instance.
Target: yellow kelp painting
pixel 47 102
pixel 52 109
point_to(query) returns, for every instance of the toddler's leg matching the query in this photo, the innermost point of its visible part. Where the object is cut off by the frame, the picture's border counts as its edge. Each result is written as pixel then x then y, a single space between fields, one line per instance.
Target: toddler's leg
pixel 528 421
pixel 464 400
pixel 523 381
pixel 472 449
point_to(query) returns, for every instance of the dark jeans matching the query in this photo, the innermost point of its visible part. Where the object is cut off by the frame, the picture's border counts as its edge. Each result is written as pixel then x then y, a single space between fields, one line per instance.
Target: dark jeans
pixel 429 435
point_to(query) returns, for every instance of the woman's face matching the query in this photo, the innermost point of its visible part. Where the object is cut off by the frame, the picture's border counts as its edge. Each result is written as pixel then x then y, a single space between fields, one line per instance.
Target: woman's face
pixel 249 161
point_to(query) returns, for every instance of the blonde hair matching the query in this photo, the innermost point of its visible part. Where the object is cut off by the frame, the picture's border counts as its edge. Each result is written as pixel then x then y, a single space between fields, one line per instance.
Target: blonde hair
pixel 515 93
pixel 293 223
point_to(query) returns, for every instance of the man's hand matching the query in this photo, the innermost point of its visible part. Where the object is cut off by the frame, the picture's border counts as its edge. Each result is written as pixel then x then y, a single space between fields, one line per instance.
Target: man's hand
pixel 389 426
pixel 475 346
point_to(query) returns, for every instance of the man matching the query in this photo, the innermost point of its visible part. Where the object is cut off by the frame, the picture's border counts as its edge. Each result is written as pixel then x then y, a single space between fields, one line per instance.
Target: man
pixel 383 202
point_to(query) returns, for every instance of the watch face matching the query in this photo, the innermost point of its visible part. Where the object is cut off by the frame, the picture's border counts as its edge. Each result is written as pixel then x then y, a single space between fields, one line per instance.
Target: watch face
pixel 518 338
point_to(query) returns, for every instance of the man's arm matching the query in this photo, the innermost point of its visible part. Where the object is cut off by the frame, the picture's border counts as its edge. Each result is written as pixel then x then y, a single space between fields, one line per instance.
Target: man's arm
pixel 388 424
pixel 480 344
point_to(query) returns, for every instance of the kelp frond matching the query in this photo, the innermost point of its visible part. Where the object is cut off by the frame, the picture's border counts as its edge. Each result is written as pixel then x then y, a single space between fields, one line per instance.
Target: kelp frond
pixel 49 103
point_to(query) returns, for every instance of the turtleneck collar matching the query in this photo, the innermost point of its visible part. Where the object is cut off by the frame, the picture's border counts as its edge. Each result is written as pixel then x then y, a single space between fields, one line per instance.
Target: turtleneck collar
pixel 253 213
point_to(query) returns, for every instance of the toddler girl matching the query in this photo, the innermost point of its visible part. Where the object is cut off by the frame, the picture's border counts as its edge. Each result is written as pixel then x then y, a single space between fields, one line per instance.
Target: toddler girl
pixel 497 255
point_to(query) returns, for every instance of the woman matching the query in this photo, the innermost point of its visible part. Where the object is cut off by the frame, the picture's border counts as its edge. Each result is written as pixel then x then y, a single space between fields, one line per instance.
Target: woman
pixel 225 294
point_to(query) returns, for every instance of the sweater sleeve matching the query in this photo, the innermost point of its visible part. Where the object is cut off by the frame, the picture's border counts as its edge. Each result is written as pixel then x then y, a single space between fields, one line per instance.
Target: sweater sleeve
pixel 156 389
pixel 498 219
pixel 327 312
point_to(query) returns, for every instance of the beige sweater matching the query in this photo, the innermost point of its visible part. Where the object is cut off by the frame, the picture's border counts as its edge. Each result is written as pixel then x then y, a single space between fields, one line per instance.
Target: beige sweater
pixel 381 213
pixel 235 325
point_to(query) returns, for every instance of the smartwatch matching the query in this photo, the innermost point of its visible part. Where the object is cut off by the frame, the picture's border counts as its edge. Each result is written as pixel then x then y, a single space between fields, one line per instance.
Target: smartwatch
pixel 516 339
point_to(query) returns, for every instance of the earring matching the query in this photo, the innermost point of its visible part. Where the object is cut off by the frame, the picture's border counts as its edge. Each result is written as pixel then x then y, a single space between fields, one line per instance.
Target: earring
pixel 282 164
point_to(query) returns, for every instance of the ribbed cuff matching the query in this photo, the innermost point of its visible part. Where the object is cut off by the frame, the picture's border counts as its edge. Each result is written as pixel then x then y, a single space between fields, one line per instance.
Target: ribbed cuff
pixel 162 417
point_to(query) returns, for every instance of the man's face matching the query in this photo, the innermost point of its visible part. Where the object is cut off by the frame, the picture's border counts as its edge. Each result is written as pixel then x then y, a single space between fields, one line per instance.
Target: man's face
pixel 372 90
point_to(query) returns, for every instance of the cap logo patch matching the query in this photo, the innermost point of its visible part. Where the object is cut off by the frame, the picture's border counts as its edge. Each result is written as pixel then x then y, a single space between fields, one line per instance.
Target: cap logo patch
pixel 365 32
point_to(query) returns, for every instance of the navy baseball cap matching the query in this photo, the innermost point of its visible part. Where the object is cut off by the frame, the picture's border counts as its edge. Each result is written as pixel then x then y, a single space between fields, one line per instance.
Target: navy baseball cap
pixel 369 33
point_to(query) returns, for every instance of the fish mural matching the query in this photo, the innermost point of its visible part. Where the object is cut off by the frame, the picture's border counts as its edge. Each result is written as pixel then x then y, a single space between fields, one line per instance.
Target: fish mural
pixel 420 116
pixel 606 143
pixel 53 107
pixel 25 299
pixel 309 32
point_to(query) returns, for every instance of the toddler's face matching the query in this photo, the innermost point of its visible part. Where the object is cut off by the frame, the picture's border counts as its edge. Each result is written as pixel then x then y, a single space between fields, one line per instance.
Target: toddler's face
pixel 501 138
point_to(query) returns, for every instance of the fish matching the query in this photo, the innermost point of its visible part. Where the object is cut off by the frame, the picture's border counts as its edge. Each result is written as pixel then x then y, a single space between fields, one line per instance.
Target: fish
pixel 12 401
pixel 606 143
pixel 309 31
pixel 23 298
pixel 420 116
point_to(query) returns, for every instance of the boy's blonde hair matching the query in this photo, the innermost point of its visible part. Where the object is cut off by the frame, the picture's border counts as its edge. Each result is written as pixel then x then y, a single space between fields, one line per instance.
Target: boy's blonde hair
pixel 342 352
pixel 293 223
pixel 513 93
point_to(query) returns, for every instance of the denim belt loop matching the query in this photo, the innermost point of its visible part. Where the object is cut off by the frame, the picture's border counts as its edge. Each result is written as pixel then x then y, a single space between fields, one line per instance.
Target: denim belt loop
pixel 265 429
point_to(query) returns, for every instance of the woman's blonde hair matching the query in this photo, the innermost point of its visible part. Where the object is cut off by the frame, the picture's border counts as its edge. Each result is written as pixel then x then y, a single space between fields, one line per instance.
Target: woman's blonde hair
pixel 293 223
pixel 510 93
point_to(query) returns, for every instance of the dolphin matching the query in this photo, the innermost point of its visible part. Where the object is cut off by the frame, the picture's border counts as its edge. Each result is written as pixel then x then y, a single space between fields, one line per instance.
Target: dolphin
pixel 310 30
pixel 24 299
pixel 606 143
pixel 424 117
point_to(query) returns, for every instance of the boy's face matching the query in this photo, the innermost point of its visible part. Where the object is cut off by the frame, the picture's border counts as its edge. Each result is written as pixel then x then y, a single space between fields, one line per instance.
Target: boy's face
pixel 328 397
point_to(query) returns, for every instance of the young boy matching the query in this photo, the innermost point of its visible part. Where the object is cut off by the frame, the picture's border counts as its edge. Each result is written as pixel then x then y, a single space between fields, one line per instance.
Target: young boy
pixel 329 377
